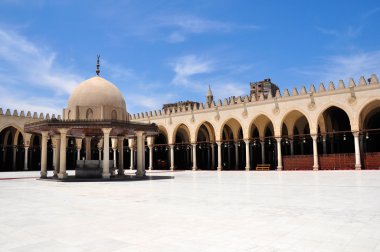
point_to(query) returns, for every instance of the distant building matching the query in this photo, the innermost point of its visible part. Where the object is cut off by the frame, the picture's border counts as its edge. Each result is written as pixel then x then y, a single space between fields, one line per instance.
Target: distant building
pixel 263 87
pixel 180 104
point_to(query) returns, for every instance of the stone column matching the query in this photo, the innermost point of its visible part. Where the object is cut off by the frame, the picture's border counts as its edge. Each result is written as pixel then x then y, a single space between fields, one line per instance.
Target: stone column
pixel 62 156
pixel 236 155
pixel 114 149
pixel 358 165
pixel 140 146
pixel 324 144
pixel 194 156
pixel 279 154
pixel 247 156
pixel 120 171
pixel 78 142
pixel 212 155
pixel 131 143
pixel 106 153
pixel 55 144
pixel 26 151
pixel 291 142
pixel 88 148
pixel 44 154
pixel 315 153
pixel 172 157
pixel 263 152
pixel 14 157
pixel 27 138
pixel 219 168
pixel 150 157
pixel 100 148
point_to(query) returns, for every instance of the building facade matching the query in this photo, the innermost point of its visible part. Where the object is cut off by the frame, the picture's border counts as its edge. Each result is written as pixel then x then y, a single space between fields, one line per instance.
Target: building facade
pixel 325 127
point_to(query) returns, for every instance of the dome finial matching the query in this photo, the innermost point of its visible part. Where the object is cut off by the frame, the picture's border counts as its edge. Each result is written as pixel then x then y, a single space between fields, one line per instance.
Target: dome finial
pixel 97 65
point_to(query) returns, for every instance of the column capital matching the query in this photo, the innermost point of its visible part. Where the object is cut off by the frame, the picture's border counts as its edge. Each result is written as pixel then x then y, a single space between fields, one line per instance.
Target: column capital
pixel 63 130
pixel 247 141
pixel 355 133
pixel 314 137
pixel 78 143
pixel 44 133
pixel 106 131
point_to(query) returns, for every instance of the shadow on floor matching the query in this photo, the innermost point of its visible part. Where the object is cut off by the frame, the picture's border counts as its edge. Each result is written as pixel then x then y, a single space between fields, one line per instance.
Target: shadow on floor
pixel 125 178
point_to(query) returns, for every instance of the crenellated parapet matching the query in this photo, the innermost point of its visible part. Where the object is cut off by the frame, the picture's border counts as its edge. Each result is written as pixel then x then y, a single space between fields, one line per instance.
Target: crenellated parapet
pixel 28 114
pixel 247 101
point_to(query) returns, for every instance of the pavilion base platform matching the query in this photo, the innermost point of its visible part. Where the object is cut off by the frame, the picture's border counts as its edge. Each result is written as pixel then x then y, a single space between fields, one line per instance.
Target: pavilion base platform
pixel 118 178
pixel 91 168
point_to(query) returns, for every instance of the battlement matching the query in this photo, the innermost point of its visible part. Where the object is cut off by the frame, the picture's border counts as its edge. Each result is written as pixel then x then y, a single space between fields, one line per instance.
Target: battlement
pixel 251 100
pixel 35 115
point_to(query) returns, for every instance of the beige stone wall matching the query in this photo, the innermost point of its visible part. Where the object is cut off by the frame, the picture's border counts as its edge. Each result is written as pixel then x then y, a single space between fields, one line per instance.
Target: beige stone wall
pixel 355 99
pixel 286 108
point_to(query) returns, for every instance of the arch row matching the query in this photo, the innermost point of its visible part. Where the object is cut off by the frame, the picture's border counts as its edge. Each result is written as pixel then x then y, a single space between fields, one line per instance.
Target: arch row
pixel 295 139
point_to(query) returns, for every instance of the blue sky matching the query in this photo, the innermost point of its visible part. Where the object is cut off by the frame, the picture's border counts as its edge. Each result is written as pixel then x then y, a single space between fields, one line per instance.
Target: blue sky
pixel 165 51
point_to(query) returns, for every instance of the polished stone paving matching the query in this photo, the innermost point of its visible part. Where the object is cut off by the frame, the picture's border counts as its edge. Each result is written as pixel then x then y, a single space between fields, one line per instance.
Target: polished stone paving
pixel 194 211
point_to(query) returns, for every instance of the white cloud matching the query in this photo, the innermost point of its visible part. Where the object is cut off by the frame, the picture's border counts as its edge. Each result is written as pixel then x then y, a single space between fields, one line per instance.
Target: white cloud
pixel 177 28
pixel 227 90
pixel 29 64
pixel 333 68
pixel 30 77
pixel 187 66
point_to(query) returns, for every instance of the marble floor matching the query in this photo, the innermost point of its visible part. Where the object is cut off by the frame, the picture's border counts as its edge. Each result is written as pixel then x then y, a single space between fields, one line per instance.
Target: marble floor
pixel 194 211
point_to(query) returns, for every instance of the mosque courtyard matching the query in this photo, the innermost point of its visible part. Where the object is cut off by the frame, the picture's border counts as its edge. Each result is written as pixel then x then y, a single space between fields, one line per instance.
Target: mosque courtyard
pixel 193 211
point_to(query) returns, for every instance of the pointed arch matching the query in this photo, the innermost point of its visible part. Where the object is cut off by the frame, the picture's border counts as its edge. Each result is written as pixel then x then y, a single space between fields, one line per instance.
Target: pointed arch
pixel 207 129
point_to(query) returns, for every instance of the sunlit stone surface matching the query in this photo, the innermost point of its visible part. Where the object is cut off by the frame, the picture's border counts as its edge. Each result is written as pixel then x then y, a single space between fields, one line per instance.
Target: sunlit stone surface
pixel 195 211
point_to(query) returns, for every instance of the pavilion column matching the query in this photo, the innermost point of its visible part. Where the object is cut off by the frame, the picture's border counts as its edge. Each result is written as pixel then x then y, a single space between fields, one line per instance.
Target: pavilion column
pixel 114 149
pixel 237 155
pixel 120 171
pixel 150 141
pixel 279 154
pixel 150 157
pixel 106 153
pixel 44 153
pixel 247 156
pixel 263 152
pixel 131 144
pixel 219 168
pixel 62 162
pixel 78 142
pixel 194 156
pixel 172 157
pixel 358 165
pixel 140 146
pixel 55 144
pixel 88 148
pixel 315 152
pixel 26 151
pixel 14 157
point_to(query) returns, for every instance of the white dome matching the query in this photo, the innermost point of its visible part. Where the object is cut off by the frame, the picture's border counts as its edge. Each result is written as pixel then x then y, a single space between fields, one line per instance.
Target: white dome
pixel 95 93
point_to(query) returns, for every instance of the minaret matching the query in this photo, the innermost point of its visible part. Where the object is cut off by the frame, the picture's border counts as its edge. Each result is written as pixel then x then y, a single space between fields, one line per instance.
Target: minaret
pixel 209 97
pixel 97 66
